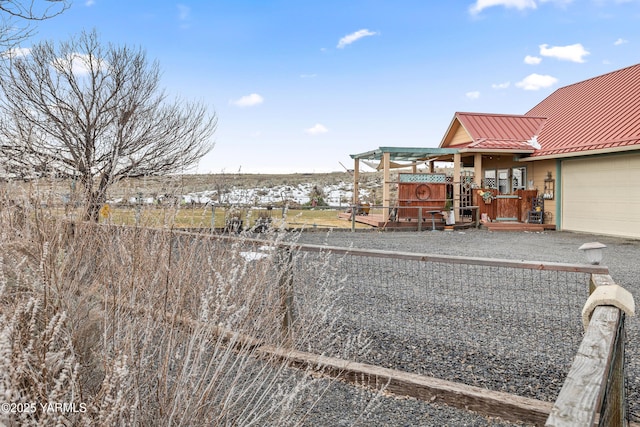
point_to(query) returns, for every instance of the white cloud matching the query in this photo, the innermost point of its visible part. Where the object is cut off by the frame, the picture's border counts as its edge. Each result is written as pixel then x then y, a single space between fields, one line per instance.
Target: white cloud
pixel 89 3
pixel 317 129
pixel 620 41
pixel 480 5
pixel 536 82
pixel 558 2
pixel 532 60
pixel 504 85
pixel 350 38
pixel 183 12
pixel 472 95
pixel 248 100
pixel 80 64
pixel 17 52
pixel 574 53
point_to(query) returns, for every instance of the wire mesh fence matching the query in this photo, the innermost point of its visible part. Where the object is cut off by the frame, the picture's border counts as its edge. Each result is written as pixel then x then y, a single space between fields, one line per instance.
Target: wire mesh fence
pixel 504 325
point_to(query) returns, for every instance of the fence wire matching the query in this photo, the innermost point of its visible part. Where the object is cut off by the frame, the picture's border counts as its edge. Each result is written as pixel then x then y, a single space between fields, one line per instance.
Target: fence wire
pixel 494 326
pixel 505 326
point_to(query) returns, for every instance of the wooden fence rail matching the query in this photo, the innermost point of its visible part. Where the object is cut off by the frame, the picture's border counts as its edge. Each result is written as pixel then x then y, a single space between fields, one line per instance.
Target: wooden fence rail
pixel 594 390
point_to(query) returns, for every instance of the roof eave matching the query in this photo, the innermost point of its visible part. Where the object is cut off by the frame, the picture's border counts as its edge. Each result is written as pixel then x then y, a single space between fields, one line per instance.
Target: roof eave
pixel 581 153
pixel 496 151
pixel 446 134
pixel 404 153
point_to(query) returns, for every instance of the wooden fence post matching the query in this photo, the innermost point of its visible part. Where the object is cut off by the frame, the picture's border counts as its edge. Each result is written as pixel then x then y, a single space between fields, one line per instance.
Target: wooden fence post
pixel 594 387
pixel 285 267
pixel 614 405
pixel 354 208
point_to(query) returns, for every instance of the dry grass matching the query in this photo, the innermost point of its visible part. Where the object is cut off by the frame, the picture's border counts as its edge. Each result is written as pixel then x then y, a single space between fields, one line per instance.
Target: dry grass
pixel 132 326
pixel 51 192
pixel 200 217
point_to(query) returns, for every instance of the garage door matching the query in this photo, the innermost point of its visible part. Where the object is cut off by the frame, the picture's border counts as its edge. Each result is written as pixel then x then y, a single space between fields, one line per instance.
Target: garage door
pixel 602 195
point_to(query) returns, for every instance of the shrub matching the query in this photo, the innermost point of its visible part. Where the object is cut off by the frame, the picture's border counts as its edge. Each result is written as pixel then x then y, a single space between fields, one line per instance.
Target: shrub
pixel 138 326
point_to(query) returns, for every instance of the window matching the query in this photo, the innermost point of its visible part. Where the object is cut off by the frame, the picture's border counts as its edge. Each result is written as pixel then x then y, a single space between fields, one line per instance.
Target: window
pixel 503 181
pixel 490 179
pixel 519 178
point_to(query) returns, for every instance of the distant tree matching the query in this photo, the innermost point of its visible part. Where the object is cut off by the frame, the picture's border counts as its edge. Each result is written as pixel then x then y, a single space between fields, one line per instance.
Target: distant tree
pixel 97 114
pixel 17 16
pixel 316 197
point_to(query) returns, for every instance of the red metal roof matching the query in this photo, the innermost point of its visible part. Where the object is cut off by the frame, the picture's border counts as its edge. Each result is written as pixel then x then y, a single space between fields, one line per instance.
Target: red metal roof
pixel 600 113
pixel 500 131
pixel 495 144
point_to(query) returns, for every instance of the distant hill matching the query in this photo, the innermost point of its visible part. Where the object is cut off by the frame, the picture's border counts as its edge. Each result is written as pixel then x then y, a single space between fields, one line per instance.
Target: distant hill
pixel 335 188
pixel 234 188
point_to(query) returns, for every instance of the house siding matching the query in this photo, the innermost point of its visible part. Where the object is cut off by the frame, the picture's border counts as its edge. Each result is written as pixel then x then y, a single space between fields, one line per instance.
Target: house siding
pixel 459 137
pixel 537 172
pixel 601 195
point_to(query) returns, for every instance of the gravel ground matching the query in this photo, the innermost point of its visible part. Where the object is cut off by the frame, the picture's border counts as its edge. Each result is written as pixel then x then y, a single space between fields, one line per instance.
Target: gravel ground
pixel 622 257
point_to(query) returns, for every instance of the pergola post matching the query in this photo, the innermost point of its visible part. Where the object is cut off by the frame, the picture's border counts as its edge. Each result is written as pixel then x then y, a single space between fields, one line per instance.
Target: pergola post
pixel 477 169
pixel 356 181
pixel 386 186
pixel 457 170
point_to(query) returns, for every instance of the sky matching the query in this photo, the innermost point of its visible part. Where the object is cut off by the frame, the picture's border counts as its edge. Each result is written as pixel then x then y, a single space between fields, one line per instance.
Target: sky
pixel 300 85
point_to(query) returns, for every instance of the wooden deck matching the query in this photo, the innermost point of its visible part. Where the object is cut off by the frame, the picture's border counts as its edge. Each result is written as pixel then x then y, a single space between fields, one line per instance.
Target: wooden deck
pixel 377 221
pixel 516 226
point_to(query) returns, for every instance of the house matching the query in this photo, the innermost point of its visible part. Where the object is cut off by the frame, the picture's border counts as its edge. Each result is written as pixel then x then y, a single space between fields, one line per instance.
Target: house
pixel 578 151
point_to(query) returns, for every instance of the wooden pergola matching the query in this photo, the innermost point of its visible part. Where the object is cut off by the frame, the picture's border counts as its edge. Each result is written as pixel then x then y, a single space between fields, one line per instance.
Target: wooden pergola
pixel 388 156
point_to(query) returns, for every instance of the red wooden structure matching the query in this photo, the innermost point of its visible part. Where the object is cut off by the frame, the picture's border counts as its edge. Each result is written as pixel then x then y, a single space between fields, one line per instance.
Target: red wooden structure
pixel 421 190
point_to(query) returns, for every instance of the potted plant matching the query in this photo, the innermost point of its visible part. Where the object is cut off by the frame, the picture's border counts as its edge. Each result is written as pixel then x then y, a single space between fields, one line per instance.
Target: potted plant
pixel 487 196
pixel 447 213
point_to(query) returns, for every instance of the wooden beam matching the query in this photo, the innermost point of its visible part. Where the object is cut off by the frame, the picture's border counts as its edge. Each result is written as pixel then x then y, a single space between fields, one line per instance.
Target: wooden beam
pixel 477 169
pixel 579 400
pixel 386 186
pixel 483 401
pixel 356 181
pixel 379 253
pixel 457 170
pixel 455 259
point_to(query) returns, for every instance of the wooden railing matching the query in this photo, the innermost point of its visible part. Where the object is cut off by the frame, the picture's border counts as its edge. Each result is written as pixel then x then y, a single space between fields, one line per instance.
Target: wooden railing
pixel 594 390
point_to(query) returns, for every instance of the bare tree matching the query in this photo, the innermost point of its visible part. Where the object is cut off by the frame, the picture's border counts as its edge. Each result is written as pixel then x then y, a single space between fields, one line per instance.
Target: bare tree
pixel 96 113
pixel 16 17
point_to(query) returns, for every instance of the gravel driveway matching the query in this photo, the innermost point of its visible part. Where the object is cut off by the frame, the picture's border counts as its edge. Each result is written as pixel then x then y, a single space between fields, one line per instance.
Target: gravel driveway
pixel 622 256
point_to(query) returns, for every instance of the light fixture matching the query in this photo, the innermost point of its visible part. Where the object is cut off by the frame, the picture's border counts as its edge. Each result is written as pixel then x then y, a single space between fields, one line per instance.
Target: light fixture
pixel 593 251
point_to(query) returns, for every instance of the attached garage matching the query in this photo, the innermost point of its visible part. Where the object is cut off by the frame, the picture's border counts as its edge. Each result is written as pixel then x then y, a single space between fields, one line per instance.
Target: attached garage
pixel 601 194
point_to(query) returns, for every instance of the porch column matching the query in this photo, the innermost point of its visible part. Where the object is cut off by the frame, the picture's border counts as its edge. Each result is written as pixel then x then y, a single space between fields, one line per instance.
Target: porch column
pixel 386 186
pixel 477 169
pixel 457 162
pixel 356 181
